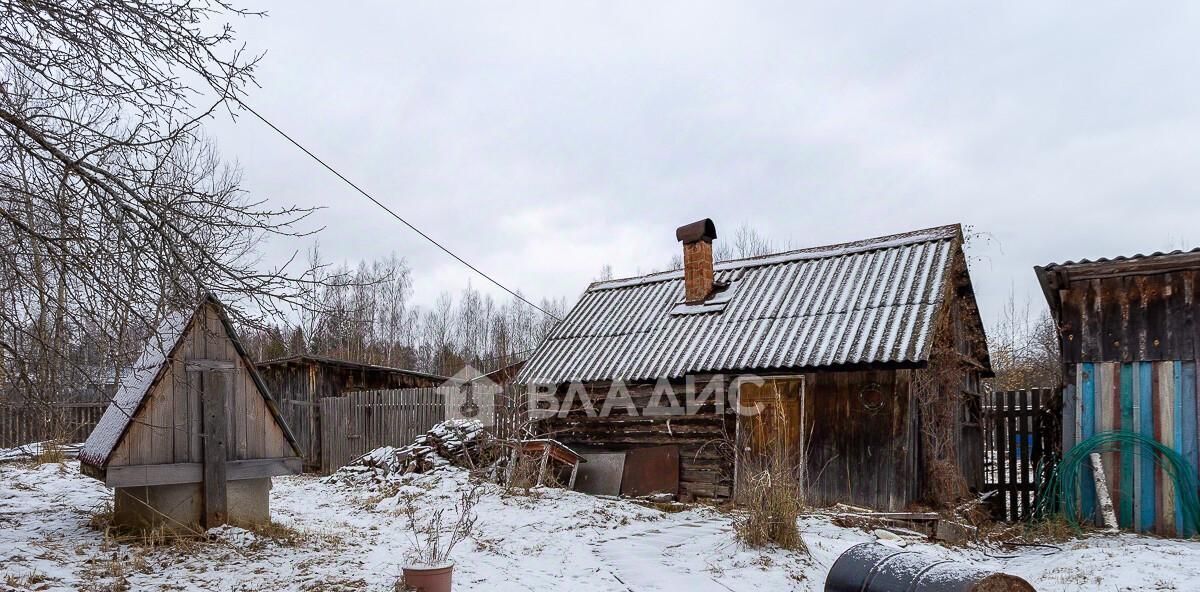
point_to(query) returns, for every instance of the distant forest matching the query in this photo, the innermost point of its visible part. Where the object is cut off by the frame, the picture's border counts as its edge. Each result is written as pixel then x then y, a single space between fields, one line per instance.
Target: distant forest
pixel 366 314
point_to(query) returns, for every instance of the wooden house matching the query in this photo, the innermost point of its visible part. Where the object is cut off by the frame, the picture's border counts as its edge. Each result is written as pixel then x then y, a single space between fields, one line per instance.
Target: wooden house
pixel 1130 340
pixel 850 351
pixel 192 436
pixel 300 382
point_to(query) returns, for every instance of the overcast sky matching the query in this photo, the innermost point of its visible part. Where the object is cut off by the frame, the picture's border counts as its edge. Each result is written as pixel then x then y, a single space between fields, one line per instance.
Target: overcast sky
pixel 541 141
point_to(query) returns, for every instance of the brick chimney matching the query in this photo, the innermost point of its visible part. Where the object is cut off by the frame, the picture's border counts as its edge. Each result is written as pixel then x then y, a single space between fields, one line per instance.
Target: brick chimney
pixel 697 239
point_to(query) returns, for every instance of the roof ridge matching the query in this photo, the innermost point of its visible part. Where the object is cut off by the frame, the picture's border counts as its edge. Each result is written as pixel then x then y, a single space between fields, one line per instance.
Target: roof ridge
pixel 947 231
pixel 1118 258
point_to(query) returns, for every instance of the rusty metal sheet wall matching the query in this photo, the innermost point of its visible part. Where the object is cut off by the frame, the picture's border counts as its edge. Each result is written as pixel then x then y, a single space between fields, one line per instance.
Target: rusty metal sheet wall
pixel 651 470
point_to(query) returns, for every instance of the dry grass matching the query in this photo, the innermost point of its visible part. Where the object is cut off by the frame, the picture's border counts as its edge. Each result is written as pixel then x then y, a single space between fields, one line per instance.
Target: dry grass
pixel 49 452
pixel 1054 529
pixel 34 580
pixel 280 534
pixel 771 502
pixel 523 475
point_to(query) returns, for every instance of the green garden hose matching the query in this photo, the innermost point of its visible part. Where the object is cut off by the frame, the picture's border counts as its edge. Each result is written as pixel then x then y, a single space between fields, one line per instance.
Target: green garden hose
pixel 1061 486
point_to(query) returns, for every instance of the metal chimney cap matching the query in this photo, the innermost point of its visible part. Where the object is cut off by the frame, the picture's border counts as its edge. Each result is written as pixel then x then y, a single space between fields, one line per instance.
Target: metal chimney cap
pixel 700 230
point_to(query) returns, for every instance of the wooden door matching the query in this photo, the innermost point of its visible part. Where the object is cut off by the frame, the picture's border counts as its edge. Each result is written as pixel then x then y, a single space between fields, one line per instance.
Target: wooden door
pixel 773 433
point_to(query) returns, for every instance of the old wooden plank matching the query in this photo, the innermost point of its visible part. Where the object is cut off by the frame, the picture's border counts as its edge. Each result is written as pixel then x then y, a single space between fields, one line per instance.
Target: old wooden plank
pixel 1146 427
pixel 157 474
pixel 1038 450
pixel 1189 413
pixel 178 473
pixel 258 468
pixel 1177 433
pixel 1012 444
pixel 1126 469
pixel 242 413
pixel 180 438
pixel 194 388
pixel 1156 433
pixel 203 365
pixel 1087 420
pixel 215 427
pixel 1090 312
pixel 1165 434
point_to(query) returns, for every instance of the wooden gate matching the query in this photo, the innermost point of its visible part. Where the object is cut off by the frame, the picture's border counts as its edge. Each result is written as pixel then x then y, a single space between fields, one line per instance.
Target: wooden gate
pixel 356 423
pixel 1017 449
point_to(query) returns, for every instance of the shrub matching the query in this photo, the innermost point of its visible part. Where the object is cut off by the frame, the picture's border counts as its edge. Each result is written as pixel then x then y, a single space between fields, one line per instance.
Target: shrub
pixel 771 500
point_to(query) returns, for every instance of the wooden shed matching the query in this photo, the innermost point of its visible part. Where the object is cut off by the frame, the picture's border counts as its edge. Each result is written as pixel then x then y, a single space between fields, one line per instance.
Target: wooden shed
pixel 300 382
pixel 851 350
pixel 192 436
pixel 1130 340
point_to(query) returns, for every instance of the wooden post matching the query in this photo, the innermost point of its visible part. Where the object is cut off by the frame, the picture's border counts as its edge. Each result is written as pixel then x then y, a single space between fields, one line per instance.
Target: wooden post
pixel 574 472
pixel 214 386
pixel 542 467
pixel 510 470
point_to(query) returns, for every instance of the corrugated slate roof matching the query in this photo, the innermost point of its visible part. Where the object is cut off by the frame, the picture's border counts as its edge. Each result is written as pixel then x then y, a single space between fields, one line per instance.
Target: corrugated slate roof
pixel 867 302
pixel 1118 259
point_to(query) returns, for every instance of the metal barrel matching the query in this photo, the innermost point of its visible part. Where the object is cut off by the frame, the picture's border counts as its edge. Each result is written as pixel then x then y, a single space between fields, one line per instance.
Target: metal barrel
pixel 871 567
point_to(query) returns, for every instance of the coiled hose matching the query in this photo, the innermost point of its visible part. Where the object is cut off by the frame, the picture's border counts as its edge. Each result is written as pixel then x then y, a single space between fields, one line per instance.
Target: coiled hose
pixel 1061 485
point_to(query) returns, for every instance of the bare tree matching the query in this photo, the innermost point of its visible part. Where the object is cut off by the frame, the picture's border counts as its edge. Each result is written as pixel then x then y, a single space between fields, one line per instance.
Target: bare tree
pixel 114 207
pixel 744 242
pixel 1024 348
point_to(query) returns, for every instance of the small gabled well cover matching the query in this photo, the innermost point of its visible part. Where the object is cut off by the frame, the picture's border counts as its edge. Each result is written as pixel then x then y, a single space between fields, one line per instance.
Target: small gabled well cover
pixel 193 387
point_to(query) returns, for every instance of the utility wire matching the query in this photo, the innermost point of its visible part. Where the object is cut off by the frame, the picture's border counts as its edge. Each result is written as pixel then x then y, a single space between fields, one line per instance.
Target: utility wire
pixel 389 210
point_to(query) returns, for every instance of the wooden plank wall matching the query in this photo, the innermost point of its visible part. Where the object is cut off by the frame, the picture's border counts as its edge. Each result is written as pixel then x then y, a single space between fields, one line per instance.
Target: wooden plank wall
pixel 357 423
pixel 1156 399
pixel 71 422
pixel 511 420
pixel 300 385
pixel 169 426
pixel 298 389
pixel 859 454
pixel 1131 318
pixel 1015 442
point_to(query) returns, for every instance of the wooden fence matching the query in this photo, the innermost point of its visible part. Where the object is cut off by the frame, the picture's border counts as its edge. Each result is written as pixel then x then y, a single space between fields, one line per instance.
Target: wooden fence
pixel 356 423
pixel 1016 442
pixel 71 422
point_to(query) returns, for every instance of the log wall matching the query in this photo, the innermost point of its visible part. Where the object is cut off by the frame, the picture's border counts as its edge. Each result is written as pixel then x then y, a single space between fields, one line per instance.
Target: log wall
pixel 858 453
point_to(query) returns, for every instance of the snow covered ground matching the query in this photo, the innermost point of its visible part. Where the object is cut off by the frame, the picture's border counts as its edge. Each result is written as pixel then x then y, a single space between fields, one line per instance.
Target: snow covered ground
pixel 343 536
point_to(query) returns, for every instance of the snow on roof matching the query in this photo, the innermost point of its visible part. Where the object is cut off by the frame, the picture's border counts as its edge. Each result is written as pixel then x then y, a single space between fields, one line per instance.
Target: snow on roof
pixel 133 388
pixel 865 302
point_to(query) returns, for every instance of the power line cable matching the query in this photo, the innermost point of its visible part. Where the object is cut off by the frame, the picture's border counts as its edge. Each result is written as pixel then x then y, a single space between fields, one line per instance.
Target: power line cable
pixel 389 210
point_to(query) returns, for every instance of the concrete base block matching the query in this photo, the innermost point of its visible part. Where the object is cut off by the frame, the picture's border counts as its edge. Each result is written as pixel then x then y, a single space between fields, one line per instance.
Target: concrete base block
pixel 180 508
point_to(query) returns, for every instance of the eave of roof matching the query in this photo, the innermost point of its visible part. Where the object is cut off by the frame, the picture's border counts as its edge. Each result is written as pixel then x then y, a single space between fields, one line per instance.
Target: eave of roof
pixel 312 358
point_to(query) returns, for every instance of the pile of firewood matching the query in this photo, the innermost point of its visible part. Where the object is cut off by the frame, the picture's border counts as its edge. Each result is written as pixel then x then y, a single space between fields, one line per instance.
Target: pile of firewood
pixel 452 442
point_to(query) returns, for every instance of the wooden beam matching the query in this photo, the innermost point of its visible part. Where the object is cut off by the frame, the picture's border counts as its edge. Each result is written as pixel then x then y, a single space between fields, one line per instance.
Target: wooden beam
pixel 208 365
pixel 215 485
pixel 265 467
pixel 176 473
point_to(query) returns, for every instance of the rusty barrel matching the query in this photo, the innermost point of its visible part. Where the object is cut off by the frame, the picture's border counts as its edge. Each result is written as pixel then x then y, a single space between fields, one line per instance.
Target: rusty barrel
pixel 871 567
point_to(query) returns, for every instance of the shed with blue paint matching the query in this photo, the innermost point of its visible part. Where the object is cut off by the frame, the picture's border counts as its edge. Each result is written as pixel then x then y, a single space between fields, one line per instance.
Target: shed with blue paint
pixel 1130 346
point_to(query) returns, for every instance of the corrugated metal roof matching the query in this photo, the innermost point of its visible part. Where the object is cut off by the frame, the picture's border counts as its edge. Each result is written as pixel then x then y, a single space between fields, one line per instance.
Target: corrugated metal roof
pixel 866 302
pixel 1137 257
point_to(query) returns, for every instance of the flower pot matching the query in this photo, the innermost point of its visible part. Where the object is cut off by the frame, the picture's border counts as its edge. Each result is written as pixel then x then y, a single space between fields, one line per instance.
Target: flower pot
pixel 423 578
